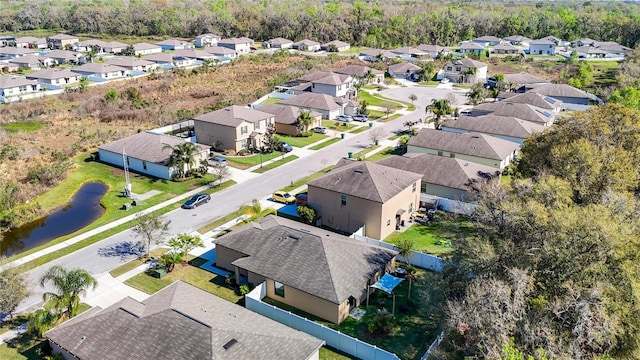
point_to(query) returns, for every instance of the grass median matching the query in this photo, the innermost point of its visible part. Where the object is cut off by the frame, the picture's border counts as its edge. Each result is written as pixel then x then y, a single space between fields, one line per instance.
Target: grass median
pixel 325 144
pixel 275 164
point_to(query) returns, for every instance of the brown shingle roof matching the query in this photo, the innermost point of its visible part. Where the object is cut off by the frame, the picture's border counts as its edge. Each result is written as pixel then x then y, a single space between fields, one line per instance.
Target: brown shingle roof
pixel 495 125
pixel 515 109
pixel 524 78
pixel 147 146
pixel 357 70
pixel 285 114
pixel 473 144
pixel 180 322
pixel 314 101
pixel 560 90
pixel 366 180
pixel 233 116
pixel 535 99
pixel 319 262
pixel 403 67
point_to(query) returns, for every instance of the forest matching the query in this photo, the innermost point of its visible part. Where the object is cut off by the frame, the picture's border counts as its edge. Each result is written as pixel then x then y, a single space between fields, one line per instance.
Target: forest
pixel 379 24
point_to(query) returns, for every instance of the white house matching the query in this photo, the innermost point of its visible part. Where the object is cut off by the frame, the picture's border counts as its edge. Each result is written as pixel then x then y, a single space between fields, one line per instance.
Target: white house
pixel 404 70
pixel 55 76
pixel 239 45
pixel 32 62
pixel 174 44
pixel 146 49
pixel 471 48
pixel 464 70
pixel 487 40
pixel 206 40
pixel 16 85
pixel 339 45
pixel 101 70
pixel 30 42
pixel 330 83
pixel 277 43
pixel 307 45
pixel 542 47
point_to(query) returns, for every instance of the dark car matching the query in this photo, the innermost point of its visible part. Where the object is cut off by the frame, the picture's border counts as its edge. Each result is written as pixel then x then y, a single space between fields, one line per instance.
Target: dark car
pixel 196 200
pixel 284 147
pixel 302 199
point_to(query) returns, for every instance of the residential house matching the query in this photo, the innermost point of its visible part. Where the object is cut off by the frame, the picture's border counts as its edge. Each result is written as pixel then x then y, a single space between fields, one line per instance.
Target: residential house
pixel 239 45
pixel 330 83
pixel 30 42
pixel 89 45
pixel 538 100
pixel 404 70
pixel 321 103
pixel 133 63
pixel 508 128
pixel 286 118
pixel 471 48
pixel 506 49
pixel 517 109
pixel 16 85
pixel 10 52
pixel 374 55
pixel 433 50
pixel 584 42
pixel 9 67
pixel 464 70
pixel 554 40
pixel 233 128
pixel 409 53
pixel 55 76
pixel 362 74
pixel 307 45
pixel 335 45
pixel 445 177
pixel 519 82
pixel 590 52
pixel 170 60
pixel 61 41
pixel 358 194
pixel 146 49
pixel 277 43
pixel 114 47
pixel 196 54
pixel 487 40
pixel 542 47
pixel 475 147
pixel 518 40
pixel 571 97
pixel 102 71
pixel 180 321
pixel 306 267
pixel 612 48
pixel 174 44
pixel 66 57
pixel 147 153
pixel 6 40
pixel 206 40
pixel 32 62
pixel 221 51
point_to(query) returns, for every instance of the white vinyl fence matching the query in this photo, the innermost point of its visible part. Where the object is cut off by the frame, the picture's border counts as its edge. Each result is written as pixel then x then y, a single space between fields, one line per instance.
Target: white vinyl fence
pixel 416 258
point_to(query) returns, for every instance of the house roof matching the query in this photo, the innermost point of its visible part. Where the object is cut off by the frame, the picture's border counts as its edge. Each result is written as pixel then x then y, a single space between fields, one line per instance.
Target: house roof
pixel 164 57
pixel 516 109
pixel 560 90
pixel 495 125
pixel 365 180
pixel 524 78
pixel 129 61
pixel 409 50
pixel 10 81
pixel 471 46
pixel 430 48
pixel 195 53
pixel 612 46
pixel 377 52
pixel 517 38
pixel 233 116
pixel 473 144
pixel 208 35
pixel 10 50
pixel 219 50
pixel 487 38
pixel 337 43
pixel 310 100
pixel 453 173
pixel 92 42
pixel 30 40
pixel 98 68
pixel 147 146
pixel 285 114
pixel 506 46
pixel 590 50
pixel 306 42
pixel 144 46
pixel 63 54
pixel 28 59
pixel 279 41
pixel 403 67
pixel 180 321
pixel 357 70
pixel 321 263
pixel 171 42
pixel 51 74
pixel 326 78
pixel 543 41
pixel 114 44
pixel 469 63
pixel 240 40
pixel 63 37
pixel 535 99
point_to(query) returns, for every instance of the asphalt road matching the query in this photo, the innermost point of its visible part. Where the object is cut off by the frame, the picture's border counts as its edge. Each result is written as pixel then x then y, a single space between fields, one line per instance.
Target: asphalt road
pixel 111 252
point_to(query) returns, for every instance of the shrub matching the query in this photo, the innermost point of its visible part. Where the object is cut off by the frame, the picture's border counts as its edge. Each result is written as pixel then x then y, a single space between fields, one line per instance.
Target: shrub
pixel 381 324
pixel 48 174
pixel 245 288
pixel 307 213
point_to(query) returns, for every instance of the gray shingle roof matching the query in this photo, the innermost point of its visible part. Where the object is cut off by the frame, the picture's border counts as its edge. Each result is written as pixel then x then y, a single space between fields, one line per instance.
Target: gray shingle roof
pixel 560 90
pixel 10 81
pixel 515 109
pixel 469 63
pixel 441 170
pixel 279 41
pixel 285 114
pixel 430 48
pixel 241 40
pixel 63 37
pixel 403 67
pixel 233 116
pixel 318 262
pixel 366 180
pixel 473 144
pixel 98 68
pixel 357 70
pixel 147 146
pixel 145 46
pixel 487 38
pixel 337 43
pixel 505 47
pixel 408 50
pixel 535 99
pixel 51 74
pixel 495 125
pixel 180 322
pixel 219 50
pixel 306 42
pixel 129 61
pixel 314 101
pixel 471 46
pixel 28 59
pixel 524 78
pixel 172 42
pixel 325 77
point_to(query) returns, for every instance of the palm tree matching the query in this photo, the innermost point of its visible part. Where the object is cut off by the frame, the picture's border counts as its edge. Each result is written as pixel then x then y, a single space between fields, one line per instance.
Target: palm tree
pixel 252 211
pixel 170 260
pixel 40 321
pixel 304 120
pixel 181 155
pixel 70 284
pixel 440 108
pixel 477 94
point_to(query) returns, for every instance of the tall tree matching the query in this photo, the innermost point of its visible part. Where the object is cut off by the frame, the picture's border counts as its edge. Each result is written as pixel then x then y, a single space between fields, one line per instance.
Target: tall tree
pixel 183 243
pixel 182 155
pixel 13 287
pixel 304 120
pixel 68 285
pixel 440 108
pixel 151 228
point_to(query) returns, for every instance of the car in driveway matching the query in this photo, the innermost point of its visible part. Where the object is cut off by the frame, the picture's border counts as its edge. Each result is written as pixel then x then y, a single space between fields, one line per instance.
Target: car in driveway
pixel 283 197
pixel 218 161
pixel 284 147
pixel 321 129
pixel 345 118
pixel 302 199
pixel 360 117
pixel 196 200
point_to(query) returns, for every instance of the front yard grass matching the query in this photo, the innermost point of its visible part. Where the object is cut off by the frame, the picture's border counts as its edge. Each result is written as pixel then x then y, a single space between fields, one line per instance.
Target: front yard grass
pixel 385 153
pixel 245 162
pixel 417 319
pixel 275 164
pixel 271 100
pixel 375 100
pixel 390 118
pixel 437 238
pixel 359 129
pixel 193 275
pixel 301 141
pixel 325 144
pixel 136 262
pixel 375 114
pixel 338 125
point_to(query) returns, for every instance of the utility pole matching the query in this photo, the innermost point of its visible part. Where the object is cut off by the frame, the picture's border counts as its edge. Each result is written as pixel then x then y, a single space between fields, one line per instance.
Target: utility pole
pixel 127 186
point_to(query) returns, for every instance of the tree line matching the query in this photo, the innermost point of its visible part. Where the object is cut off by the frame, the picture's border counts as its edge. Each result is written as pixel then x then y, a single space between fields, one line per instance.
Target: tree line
pixel 374 24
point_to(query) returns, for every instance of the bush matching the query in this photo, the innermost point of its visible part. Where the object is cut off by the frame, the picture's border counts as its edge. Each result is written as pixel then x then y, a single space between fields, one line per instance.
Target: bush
pixel 305 134
pixel 244 289
pixel 381 324
pixel 48 174
pixel 307 213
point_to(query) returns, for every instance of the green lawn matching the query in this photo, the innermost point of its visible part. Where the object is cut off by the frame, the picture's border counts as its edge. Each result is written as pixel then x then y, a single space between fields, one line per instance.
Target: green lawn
pixel 331 124
pixel 271 100
pixel 136 262
pixel 325 144
pixel 301 141
pixel 375 114
pixel 24 126
pixel 390 118
pixel 431 239
pixel 364 152
pixel 244 162
pixel 385 153
pixel 604 73
pixel 329 353
pixel 359 130
pixel 193 275
pixel 275 164
pixel 378 101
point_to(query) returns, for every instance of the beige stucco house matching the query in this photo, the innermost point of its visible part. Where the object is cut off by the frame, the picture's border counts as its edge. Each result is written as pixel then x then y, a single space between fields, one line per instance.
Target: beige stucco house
pixel 286 118
pixel 356 194
pixel 232 128
pixel 321 272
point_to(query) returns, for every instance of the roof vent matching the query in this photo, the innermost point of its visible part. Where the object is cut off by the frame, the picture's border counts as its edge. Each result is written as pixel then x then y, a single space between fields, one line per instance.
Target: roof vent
pixel 466 164
pixel 294 236
pixel 357 171
pixel 305 230
pixel 229 344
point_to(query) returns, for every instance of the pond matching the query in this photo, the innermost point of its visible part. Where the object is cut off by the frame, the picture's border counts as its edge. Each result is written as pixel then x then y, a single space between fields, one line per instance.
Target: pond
pixel 81 211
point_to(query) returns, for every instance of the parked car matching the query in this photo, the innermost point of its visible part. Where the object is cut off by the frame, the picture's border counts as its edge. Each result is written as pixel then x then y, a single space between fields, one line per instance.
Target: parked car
pixel 345 118
pixel 283 197
pixel 284 147
pixel 218 161
pixel 321 129
pixel 360 117
pixel 302 199
pixel 196 200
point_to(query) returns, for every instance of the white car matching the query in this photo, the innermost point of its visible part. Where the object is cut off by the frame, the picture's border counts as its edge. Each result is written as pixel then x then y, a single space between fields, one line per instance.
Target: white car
pixel 321 129
pixel 345 118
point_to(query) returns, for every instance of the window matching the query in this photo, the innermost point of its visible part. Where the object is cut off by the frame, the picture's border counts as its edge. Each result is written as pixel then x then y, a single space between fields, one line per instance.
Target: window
pixel 449 68
pixel 144 165
pixel 278 288
pixel 423 188
pixel 244 130
pixel 257 125
pixel 439 153
pixel 452 155
pixel 243 143
pixel 128 163
pixel 410 208
pixel 413 189
pixel 343 199
pixel 388 222
pixel 458 68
